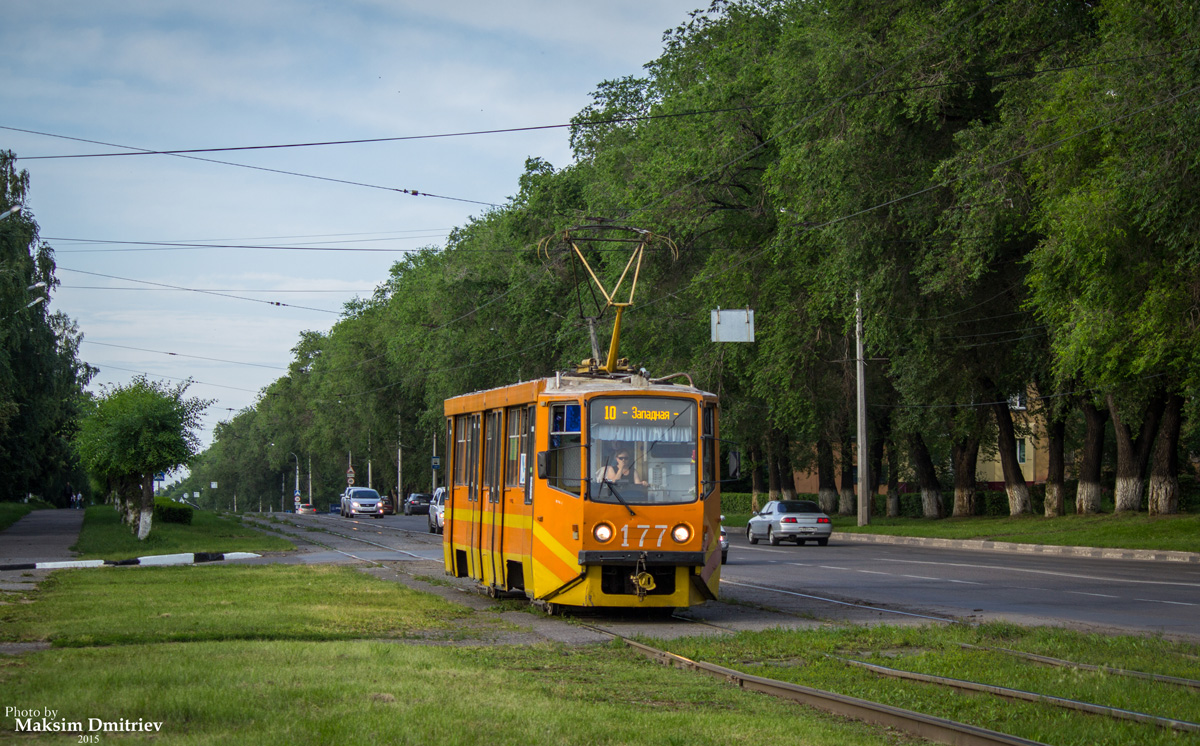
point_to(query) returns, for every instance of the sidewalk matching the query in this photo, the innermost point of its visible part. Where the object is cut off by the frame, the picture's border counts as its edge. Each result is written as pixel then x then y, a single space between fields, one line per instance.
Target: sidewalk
pixel 41 536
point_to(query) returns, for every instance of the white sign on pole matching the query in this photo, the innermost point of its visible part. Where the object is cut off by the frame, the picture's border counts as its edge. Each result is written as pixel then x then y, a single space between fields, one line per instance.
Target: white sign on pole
pixel 732 325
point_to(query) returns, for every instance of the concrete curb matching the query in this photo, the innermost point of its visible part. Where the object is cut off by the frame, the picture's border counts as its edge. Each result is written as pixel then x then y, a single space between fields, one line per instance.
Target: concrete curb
pixel 1155 555
pixel 189 558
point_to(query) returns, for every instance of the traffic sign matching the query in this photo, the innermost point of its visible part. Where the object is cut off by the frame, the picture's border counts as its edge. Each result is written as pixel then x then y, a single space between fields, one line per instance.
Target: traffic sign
pixel 296 494
pixel 350 476
pixel 437 462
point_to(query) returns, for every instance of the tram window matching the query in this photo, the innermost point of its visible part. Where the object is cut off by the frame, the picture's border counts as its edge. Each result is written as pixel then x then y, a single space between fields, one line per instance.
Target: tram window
pixel 460 449
pixel 527 441
pixel 515 453
pixel 659 438
pixel 565 462
pixel 709 444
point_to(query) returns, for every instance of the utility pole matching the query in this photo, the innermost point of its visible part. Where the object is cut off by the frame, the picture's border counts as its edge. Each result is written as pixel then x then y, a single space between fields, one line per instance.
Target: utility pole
pixel 399 464
pixel 434 471
pixel 864 456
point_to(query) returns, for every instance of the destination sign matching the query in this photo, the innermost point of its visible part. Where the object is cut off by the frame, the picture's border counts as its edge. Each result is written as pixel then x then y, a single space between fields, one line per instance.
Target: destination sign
pixel 630 413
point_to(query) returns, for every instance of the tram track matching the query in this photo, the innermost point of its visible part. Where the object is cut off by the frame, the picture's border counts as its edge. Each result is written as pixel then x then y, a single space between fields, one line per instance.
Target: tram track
pixel 929 727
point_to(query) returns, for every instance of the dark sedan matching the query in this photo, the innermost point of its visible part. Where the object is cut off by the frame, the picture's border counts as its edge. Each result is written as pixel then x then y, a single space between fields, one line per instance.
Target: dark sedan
pixel 417 503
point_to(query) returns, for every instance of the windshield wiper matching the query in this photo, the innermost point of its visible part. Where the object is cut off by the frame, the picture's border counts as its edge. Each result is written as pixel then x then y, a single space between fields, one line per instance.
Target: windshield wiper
pixel 612 488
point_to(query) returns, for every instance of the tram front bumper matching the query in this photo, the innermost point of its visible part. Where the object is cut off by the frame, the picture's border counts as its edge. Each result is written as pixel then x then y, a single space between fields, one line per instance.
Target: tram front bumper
pixel 650 559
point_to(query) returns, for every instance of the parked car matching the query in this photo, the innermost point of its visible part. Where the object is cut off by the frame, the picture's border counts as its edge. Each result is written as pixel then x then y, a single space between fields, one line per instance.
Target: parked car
pixel 386 506
pixel 417 503
pixel 360 501
pixel 724 544
pixel 306 508
pixel 796 520
pixel 437 511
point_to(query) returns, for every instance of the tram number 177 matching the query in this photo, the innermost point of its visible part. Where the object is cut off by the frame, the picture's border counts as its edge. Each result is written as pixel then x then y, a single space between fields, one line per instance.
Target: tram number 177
pixel 641 540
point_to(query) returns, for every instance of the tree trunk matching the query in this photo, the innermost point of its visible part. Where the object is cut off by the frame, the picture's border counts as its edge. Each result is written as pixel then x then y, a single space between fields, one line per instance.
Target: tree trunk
pixel 1014 481
pixel 1164 473
pixel 757 485
pixel 1056 472
pixel 772 468
pixel 931 489
pixel 787 475
pixel 893 481
pixel 966 457
pixel 1133 453
pixel 846 504
pixel 876 471
pixel 1087 496
pixel 147 506
pixel 826 485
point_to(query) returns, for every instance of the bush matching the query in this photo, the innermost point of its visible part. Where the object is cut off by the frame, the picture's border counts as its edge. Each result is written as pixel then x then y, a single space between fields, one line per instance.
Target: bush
pixel 169 511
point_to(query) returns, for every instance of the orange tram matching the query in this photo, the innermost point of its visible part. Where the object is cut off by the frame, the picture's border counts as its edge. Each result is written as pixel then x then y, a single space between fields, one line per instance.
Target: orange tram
pixel 586 490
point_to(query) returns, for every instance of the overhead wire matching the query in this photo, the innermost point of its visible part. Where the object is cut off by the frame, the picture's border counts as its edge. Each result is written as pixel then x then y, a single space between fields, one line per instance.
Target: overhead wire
pixel 197 290
pixel 85 340
pixel 412 192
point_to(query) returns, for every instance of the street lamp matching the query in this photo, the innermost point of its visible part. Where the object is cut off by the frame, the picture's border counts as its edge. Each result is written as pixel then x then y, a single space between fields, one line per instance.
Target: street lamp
pixel 10 211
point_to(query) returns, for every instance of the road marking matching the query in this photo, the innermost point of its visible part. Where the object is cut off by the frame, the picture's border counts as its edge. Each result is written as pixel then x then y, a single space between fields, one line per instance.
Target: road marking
pixel 1156 601
pixel 1100 578
pixel 1097 595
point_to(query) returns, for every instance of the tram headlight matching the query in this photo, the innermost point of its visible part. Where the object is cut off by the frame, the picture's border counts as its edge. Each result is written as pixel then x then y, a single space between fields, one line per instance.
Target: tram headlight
pixel 681 533
pixel 603 532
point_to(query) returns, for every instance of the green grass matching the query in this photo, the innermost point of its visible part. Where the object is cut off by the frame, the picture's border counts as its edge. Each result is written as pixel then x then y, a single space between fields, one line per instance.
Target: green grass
pixel 105 537
pixel 134 605
pixel 350 693
pixel 257 654
pixel 10 513
pixel 1179 533
pixel 810 658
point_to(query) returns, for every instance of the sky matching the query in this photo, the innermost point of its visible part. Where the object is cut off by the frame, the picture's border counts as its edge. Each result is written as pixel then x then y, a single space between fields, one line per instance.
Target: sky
pixel 85 78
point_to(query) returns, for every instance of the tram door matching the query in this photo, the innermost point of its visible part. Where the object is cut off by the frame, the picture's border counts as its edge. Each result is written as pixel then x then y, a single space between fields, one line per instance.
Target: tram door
pixel 474 561
pixel 492 501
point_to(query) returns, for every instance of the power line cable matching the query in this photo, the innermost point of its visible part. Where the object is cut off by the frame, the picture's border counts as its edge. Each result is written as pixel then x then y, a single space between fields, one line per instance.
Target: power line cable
pixel 181 354
pixel 203 292
pixel 146 151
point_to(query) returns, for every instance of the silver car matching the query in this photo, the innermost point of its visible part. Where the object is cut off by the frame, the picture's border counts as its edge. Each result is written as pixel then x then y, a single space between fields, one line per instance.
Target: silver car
pixel 795 520
pixel 437 511
pixel 361 501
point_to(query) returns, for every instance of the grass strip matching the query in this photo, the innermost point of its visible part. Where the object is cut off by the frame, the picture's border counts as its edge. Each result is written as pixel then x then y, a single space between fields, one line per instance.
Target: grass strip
pixel 10 513
pixel 368 693
pixel 1177 533
pixel 104 536
pixel 804 658
pixel 134 605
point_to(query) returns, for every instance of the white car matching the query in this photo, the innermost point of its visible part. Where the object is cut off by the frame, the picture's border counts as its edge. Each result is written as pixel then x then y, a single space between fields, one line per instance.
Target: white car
pixel 361 501
pixel 437 511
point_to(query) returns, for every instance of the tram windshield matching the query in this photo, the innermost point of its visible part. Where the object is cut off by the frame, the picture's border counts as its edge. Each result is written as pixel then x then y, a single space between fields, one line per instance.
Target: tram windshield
pixel 642 450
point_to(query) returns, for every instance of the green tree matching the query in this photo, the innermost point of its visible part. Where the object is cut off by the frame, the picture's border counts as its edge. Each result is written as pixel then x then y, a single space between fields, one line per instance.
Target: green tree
pixel 134 431
pixel 41 376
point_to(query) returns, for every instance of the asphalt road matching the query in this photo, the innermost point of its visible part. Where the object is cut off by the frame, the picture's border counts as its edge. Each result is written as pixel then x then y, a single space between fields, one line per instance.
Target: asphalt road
pixel 855 581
